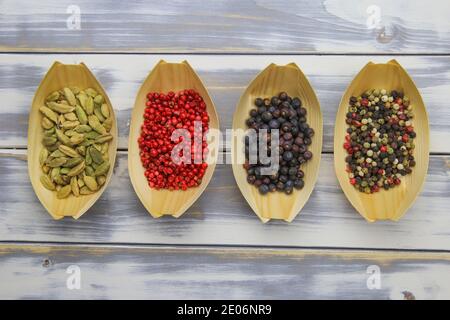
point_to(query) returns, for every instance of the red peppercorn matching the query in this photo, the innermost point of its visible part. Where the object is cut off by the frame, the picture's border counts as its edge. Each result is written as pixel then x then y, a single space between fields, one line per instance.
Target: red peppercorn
pixel 163 114
pixel 364 102
pixel 405 138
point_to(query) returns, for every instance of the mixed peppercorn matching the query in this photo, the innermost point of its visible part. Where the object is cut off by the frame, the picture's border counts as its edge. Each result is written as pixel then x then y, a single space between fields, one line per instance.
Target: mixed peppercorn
pixel 163 114
pixel 379 140
pixel 287 115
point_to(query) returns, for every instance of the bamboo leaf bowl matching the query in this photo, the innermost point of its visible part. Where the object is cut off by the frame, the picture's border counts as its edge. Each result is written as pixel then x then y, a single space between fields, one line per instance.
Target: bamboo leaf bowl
pixel 167 77
pixel 271 81
pixel 58 76
pixel 393 203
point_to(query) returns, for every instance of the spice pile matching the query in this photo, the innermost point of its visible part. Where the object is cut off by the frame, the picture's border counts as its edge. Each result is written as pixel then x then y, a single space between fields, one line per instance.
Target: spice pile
pixel 287 115
pixel 379 140
pixel 76 139
pixel 163 114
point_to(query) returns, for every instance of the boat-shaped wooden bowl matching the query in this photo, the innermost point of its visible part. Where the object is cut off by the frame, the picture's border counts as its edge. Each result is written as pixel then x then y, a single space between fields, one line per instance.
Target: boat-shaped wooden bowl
pixel 167 77
pixel 393 203
pixel 271 81
pixel 59 76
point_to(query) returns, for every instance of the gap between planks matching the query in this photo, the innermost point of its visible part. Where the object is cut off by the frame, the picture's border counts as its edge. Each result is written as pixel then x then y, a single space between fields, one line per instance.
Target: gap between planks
pixel 219 247
pixel 100 248
pixel 5 51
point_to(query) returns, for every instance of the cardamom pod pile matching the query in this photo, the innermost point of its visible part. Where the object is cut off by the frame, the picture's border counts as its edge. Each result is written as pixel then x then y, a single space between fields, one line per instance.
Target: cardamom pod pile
pixel 76 126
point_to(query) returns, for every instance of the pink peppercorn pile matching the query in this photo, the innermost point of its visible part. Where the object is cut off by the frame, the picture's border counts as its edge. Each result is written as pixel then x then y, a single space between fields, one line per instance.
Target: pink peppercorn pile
pixel 163 114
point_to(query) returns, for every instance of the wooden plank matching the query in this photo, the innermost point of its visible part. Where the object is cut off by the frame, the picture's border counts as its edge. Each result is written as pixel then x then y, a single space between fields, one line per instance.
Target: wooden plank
pixel 227 26
pixel 222 217
pixel 226 78
pixel 109 272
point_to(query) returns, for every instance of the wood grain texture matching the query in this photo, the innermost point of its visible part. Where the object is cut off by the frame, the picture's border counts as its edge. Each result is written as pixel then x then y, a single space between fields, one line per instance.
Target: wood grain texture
pixel 225 77
pixel 39 272
pixel 228 26
pixel 221 215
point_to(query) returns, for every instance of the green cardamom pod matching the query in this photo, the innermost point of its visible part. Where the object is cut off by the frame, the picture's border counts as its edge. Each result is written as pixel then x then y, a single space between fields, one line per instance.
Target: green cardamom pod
pixel 83 128
pixel 97 146
pixel 81 150
pixel 47 183
pixel 43 155
pixel 71 116
pixel 91 183
pixel 99 114
pixel 75 90
pixel 77 139
pixel 70 125
pixel 87 143
pixel 102 169
pixel 93 121
pixel 88 157
pixel 101 180
pixel 80 181
pixel 107 124
pixel 49 113
pixel 92 135
pixel 70 96
pixel 50 132
pixel 46 169
pixel 99 99
pixel 60 107
pixel 77 169
pixel 60 181
pixel 105 110
pixel 70 133
pixel 53 147
pixel 62 137
pixel 64 170
pixel 99 128
pixel 64 192
pixel 56 162
pixel 91 92
pixel 53 96
pixel 89 171
pixel 82 97
pixel 57 154
pixel 89 106
pixel 54 173
pixel 81 115
pixel 85 190
pixel 104 148
pixel 61 119
pixel 46 123
pixel 48 141
pixel 74 186
pixel 69 151
pixel 104 138
pixel 96 155
pixel 72 162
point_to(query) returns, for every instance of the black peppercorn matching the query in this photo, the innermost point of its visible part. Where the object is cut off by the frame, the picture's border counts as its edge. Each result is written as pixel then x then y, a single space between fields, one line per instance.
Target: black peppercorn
pixel 299 184
pixel 263 189
pixel 285 113
pixel 283 96
pixel 274 124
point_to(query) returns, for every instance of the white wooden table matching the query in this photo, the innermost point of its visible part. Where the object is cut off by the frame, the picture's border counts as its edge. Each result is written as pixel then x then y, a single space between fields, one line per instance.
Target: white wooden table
pixel 219 248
